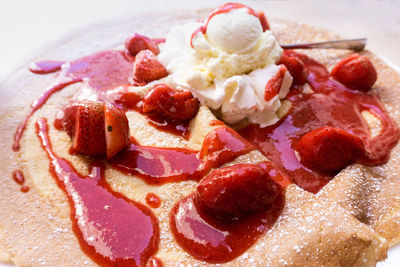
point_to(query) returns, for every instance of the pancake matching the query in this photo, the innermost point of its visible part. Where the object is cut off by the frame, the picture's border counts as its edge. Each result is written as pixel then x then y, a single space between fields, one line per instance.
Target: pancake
pixel 351 221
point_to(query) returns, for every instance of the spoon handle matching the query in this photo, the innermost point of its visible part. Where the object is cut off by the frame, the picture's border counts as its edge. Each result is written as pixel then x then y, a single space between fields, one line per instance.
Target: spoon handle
pixel 352 44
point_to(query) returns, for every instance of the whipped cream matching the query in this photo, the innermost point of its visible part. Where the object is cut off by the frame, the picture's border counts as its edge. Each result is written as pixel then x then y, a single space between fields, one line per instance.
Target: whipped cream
pixel 228 67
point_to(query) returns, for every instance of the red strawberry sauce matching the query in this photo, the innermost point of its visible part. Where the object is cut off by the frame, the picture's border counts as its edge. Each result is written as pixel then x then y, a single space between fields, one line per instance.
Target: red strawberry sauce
pixel 331 104
pixel 105 222
pixel 158 166
pixel 45 67
pixel 19 178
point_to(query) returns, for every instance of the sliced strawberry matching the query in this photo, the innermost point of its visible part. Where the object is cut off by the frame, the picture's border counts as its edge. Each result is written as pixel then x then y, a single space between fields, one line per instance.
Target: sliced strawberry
pixel 274 85
pixel 170 103
pixel 329 149
pixel 116 128
pixel 222 145
pixel 295 67
pixel 237 190
pixel 65 119
pixel 136 43
pixel 88 135
pixel 356 72
pixel 147 68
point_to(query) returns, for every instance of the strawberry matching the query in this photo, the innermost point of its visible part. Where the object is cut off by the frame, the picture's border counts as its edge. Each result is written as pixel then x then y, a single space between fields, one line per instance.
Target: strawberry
pixel 96 128
pixel 147 68
pixel 66 119
pixel 222 145
pixel 170 103
pixel 329 149
pixel 295 67
pixel 88 136
pixel 116 128
pixel 237 190
pixel 136 43
pixel 355 72
pixel 274 85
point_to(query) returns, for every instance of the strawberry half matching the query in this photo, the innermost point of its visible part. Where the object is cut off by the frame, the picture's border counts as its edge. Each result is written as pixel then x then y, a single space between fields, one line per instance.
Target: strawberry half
pixel 116 129
pixel 237 190
pixel 88 136
pixel 274 85
pixel 295 67
pixel 96 128
pixel 329 149
pixel 355 72
pixel 170 103
pixel 147 68
pixel 136 43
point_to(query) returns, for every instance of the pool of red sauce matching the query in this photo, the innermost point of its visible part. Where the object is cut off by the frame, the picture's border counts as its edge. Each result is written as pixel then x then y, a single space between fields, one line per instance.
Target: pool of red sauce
pixel 331 104
pixel 156 165
pixel 216 241
pixel 107 237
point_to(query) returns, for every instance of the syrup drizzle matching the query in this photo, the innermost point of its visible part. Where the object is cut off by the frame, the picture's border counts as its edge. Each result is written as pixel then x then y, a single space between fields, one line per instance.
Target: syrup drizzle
pixel 331 104
pixel 45 67
pixel 19 178
pixel 37 105
pixel 157 165
pixel 109 238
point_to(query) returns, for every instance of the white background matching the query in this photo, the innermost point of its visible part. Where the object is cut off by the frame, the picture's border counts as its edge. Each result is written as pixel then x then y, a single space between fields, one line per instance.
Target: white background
pixel 27 27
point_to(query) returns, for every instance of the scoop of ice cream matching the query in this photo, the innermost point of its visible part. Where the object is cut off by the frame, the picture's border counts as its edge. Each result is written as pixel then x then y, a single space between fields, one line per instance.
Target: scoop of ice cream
pixel 235 31
pixel 227 64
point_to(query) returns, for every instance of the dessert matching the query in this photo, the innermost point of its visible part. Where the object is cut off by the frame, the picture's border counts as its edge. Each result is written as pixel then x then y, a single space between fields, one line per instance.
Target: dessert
pixel 127 163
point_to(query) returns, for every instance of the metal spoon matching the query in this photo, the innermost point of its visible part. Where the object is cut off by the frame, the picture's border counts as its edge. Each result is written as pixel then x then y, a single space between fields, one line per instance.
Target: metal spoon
pixel 352 44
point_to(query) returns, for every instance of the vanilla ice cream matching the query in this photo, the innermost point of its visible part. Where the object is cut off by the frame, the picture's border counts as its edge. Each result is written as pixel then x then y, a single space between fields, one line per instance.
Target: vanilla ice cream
pixel 239 35
pixel 227 65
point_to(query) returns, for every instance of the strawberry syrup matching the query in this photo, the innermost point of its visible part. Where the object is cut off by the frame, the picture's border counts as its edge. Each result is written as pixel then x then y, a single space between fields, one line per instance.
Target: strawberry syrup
pixel 158 166
pixel 45 67
pixel 331 104
pixel 19 178
pixel 107 237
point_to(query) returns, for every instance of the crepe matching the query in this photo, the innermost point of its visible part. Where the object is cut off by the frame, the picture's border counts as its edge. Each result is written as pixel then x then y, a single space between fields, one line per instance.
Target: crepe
pixel 350 222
